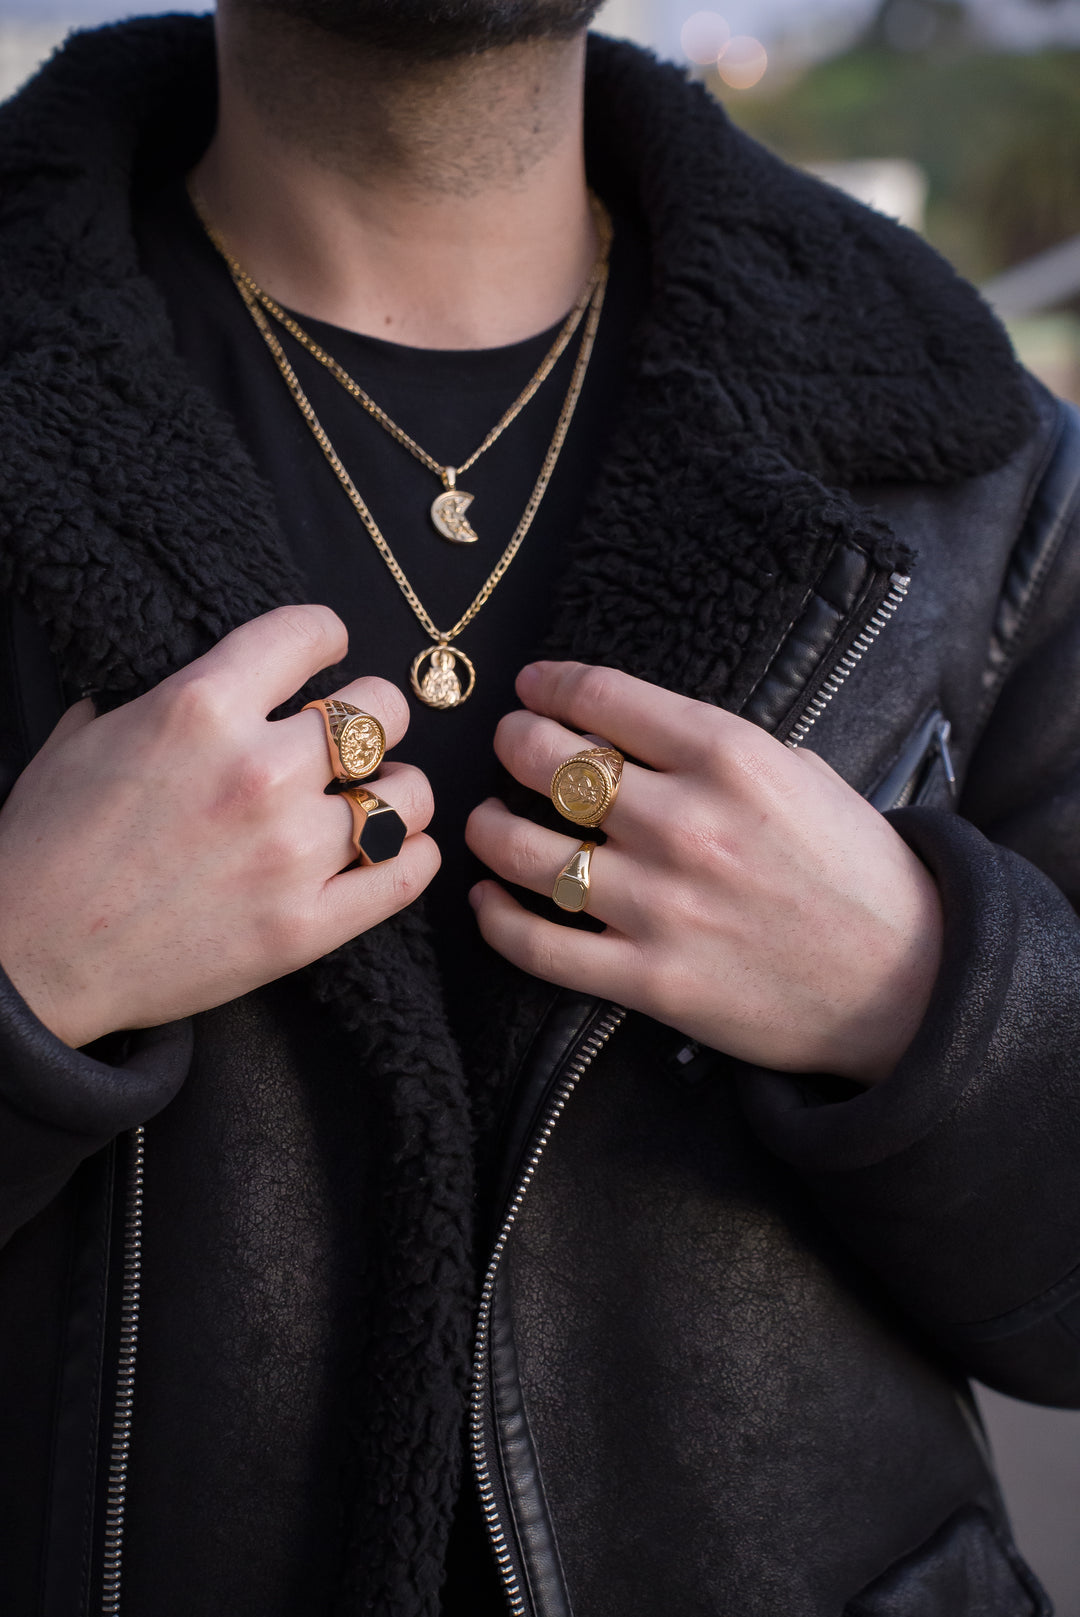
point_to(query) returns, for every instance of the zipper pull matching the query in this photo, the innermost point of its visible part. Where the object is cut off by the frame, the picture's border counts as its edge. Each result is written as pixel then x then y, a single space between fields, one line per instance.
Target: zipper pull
pixel 942 736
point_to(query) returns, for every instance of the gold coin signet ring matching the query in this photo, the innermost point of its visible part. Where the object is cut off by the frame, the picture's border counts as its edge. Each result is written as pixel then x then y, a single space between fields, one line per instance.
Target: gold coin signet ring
pixel 571 889
pixel 357 740
pixel 586 785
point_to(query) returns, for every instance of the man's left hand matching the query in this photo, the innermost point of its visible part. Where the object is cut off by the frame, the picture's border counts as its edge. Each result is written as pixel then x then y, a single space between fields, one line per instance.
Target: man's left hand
pixel 751 899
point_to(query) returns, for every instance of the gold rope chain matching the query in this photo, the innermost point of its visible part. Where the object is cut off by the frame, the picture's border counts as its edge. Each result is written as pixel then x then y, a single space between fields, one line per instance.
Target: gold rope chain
pixel 441 686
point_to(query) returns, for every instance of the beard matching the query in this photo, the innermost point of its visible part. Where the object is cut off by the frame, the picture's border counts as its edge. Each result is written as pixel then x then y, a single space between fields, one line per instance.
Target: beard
pixel 433 30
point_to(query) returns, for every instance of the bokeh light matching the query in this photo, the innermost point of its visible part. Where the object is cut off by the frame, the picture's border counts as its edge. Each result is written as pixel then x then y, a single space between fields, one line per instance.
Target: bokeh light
pixel 704 36
pixel 743 62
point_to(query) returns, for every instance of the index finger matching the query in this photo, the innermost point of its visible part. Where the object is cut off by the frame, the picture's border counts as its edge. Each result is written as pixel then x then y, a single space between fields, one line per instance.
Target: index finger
pixel 655 726
pixel 266 660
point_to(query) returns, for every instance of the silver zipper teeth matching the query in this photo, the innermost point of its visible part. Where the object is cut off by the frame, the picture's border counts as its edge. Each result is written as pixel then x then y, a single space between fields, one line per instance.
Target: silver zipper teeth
pixel 580 1064
pixel 116 1495
pixel 849 661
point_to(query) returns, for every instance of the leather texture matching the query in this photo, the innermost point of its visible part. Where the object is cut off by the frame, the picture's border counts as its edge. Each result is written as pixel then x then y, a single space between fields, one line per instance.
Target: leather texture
pixel 965 1567
pixel 735 1308
pixel 1045 528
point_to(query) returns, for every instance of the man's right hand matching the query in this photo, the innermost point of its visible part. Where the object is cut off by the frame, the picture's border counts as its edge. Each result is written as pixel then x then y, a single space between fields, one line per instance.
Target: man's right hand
pixel 182 850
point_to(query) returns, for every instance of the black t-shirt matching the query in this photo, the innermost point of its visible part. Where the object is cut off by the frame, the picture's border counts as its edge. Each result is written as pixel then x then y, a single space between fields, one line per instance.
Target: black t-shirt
pixel 447 400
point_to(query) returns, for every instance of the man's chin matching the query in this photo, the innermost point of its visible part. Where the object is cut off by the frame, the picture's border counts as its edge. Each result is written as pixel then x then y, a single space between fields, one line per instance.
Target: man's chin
pixel 434 29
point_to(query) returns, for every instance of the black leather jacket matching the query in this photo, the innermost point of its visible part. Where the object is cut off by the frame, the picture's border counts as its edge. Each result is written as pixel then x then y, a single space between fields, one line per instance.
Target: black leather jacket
pixel 721 1346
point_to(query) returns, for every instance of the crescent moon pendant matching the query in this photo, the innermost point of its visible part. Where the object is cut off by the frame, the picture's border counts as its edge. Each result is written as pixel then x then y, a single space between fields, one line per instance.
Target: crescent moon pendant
pixel 448 515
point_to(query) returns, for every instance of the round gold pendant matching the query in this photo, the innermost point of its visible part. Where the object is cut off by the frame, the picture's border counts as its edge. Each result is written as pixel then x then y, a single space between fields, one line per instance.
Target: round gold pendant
pixel 448 514
pixel 440 684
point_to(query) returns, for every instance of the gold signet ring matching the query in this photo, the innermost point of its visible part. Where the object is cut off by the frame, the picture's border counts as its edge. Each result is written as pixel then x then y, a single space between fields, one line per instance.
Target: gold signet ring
pixel 357 741
pixel 571 889
pixel 379 832
pixel 585 786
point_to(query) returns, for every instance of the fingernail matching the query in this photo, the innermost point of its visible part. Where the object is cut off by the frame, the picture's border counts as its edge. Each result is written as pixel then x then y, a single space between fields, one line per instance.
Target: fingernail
pixel 528 676
pixel 476 896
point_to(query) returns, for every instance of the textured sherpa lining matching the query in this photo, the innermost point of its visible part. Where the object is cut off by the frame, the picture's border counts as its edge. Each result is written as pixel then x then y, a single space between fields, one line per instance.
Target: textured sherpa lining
pixel 796 346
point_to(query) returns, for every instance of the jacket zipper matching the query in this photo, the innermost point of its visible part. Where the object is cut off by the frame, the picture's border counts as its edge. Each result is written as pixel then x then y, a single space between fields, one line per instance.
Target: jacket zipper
pixel 578 1064
pixel 130 1297
pixel 898 588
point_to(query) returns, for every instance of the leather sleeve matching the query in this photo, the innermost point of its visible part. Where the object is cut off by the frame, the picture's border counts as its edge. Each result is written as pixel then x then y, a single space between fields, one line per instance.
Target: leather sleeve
pixel 958 1179
pixel 58 1106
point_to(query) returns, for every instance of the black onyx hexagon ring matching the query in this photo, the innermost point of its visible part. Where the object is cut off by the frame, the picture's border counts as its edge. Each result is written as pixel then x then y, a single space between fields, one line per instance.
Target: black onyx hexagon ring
pixel 357 740
pixel 379 832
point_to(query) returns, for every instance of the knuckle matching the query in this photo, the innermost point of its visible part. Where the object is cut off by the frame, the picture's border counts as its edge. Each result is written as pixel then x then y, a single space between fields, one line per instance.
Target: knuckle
pixel 381 697
pixel 539 956
pixel 283 848
pixel 411 795
pixel 522 742
pixel 754 762
pixel 508 732
pixel 310 625
pixel 698 734
pixel 529 848
pixel 408 879
pixel 599 687
pixel 704 838
pixel 250 784
pixel 391 700
pixel 197 706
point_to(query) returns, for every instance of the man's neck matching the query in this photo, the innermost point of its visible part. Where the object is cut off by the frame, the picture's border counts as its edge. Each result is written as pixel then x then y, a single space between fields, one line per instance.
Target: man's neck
pixel 437 204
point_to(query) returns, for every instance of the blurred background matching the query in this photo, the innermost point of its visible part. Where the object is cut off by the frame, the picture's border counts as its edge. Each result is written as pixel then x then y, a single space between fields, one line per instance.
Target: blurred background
pixel 962 119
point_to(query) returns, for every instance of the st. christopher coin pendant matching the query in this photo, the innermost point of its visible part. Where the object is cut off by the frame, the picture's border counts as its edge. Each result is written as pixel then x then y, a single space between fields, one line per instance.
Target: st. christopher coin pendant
pixel 448 514
pixel 437 673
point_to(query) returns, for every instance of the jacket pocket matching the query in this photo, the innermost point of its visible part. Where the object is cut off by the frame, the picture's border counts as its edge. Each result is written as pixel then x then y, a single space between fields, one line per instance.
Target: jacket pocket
pixel 968 1569
pixel 922 774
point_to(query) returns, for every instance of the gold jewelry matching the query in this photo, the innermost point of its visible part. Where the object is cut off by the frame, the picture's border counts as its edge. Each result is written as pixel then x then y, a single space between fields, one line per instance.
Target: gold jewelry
pixel 586 785
pixel 357 740
pixel 448 508
pixel 571 889
pixel 379 832
pixel 440 685
pixel 446 690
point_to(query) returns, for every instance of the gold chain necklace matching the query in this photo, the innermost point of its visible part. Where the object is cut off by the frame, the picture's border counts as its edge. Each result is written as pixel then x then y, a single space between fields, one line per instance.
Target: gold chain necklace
pixel 434 672
pixel 448 509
